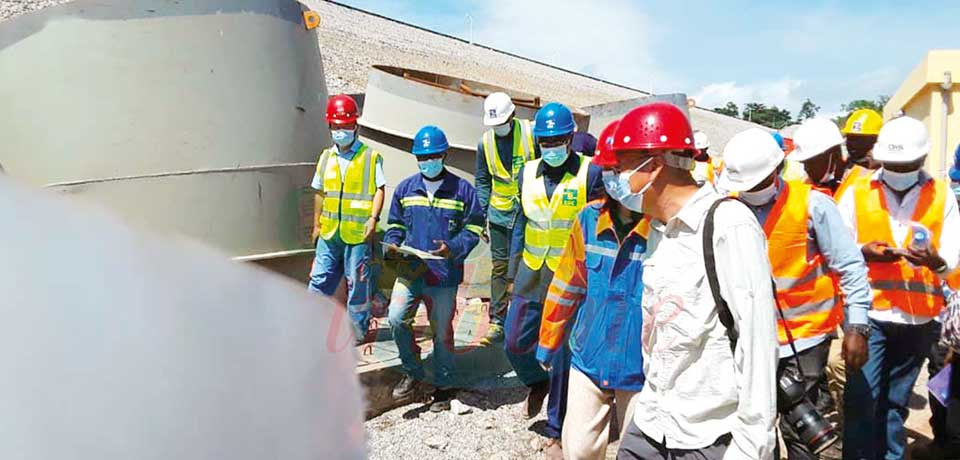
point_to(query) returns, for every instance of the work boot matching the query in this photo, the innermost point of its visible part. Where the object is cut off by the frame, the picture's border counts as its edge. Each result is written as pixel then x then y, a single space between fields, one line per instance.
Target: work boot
pixel 406 388
pixel 494 335
pixel 536 395
pixel 441 400
pixel 553 449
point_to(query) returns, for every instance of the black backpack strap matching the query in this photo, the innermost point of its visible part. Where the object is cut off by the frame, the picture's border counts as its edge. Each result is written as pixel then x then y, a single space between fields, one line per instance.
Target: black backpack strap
pixel 723 310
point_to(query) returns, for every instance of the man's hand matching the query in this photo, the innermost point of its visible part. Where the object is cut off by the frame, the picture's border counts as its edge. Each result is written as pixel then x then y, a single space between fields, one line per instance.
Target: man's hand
pixel 878 251
pixel 369 229
pixel 925 257
pixel 390 251
pixel 442 251
pixel 855 351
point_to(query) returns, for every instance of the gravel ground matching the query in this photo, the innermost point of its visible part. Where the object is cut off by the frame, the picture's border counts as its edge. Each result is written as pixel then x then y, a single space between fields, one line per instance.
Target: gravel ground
pixel 494 429
pixel 11 8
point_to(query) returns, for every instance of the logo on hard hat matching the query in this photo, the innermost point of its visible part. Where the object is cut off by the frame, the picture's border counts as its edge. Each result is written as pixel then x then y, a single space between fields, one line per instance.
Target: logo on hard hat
pixel 895 147
pixel 426 142
pixel 551 124
pixel 493 113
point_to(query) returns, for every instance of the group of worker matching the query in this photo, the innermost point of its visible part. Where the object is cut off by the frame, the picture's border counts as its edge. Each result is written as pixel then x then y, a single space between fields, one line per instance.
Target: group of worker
pixel 694 297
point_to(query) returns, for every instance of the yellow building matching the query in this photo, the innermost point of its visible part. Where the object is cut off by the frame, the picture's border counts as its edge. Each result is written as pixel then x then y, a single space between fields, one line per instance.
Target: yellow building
pixel 931 95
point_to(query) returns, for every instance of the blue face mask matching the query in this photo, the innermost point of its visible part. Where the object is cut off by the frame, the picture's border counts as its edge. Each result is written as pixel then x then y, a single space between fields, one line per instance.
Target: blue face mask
pixel 554 156
pixel 343 137
pixel 628 198
pixel 611 182
pixel 431 168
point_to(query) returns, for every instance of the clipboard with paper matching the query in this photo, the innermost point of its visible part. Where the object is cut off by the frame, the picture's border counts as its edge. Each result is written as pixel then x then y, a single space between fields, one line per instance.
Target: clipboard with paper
pixel 409 251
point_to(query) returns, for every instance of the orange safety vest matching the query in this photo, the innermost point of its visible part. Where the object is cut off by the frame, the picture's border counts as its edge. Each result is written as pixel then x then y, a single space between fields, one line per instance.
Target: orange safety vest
pixel 854 174
pixel 917 291
pixel 954 280
pixel 806 289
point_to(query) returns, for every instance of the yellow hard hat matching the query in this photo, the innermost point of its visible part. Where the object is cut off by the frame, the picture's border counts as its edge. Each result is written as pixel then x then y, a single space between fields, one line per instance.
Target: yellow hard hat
pixel 865 122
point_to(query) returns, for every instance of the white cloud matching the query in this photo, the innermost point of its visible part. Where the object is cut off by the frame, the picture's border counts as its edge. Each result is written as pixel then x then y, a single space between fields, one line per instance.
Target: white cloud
pixel 610 39
pixel 783 93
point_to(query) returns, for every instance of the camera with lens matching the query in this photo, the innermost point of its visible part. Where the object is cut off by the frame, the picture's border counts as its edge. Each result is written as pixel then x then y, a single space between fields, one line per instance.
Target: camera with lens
pixel 794 406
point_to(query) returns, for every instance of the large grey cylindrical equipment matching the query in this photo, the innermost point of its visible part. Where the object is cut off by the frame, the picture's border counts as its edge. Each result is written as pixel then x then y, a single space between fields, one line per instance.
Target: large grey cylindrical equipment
pixel 202 119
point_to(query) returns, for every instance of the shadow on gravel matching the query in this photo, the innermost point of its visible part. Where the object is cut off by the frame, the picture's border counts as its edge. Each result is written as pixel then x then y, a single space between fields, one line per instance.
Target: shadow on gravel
pixel 492 398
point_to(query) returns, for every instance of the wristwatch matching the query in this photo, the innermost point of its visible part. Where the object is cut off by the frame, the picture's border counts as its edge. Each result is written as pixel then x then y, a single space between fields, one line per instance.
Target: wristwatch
pixel 862 329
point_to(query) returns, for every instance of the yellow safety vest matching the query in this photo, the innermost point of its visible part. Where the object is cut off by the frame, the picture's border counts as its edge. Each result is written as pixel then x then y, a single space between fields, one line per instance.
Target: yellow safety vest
pixel 549 220
pixel 505 195
pixel 347 201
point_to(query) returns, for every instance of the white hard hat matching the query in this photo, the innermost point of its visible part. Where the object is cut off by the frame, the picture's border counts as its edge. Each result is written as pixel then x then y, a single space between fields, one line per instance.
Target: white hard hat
pixel 748 159
pixel 814 137
pixel 902 140
pixel 497 108
pixel 700 140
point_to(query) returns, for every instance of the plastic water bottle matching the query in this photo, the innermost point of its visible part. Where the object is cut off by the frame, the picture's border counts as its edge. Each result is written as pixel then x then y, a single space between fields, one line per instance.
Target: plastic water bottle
pixel 921 237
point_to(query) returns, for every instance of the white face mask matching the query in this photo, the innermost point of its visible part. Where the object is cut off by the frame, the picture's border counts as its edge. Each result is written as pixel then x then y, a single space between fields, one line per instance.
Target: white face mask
pixel 900 181
pixel 760 197
pixel 502 130
pixel 629 199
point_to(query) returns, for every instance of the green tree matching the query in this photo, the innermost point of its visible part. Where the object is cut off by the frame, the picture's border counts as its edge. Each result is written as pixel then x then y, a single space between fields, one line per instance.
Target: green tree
pixel 858 104
pixel 771 117
pixel 731 110
pixel 807 111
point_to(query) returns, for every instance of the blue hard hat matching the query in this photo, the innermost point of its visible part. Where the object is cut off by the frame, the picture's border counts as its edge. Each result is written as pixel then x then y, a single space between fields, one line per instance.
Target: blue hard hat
pixel 955 170
pixel 430 140
pixel 779 140
pixel 553 119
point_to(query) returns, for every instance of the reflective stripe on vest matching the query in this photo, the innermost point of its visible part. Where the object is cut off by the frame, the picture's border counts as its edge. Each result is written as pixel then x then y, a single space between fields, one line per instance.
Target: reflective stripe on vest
pixel 855 173
pixel 549 221
pixel 915 291
pixel 348 201
pixel 504 195
pixel 806 290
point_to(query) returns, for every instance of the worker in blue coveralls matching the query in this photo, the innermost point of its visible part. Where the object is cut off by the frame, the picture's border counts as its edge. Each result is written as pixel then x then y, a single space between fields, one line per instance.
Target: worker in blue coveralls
pixel 437 212
pixel 553 190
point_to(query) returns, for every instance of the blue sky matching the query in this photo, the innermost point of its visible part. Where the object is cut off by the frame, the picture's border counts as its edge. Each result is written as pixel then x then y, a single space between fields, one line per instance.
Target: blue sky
pixel 774 52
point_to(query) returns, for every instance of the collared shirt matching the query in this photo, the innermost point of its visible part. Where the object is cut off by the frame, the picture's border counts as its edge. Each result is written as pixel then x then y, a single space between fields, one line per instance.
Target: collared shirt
pixel 901 215
pixel 551 179
pixel 343 160
pixel 484 179
pixel 452 216
pixel 827 234
pixel 696 390
pixel 594 302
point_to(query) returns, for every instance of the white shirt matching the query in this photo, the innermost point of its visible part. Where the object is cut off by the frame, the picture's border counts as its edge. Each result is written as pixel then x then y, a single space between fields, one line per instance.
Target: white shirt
pixel 432 186
pixel 696 390
pixel 901 215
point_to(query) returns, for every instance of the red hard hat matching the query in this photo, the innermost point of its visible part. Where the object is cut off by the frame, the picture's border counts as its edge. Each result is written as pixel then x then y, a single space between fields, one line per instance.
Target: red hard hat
pixel 342 110
pixel 605 156
pixel 659 125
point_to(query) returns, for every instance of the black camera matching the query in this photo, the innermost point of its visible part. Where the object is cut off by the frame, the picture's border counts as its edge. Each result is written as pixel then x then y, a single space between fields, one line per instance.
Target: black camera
pixel 794 406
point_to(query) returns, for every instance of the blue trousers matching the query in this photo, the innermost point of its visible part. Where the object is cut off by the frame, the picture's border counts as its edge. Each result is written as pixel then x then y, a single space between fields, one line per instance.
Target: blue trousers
pixel 876 397
pixel 441 303
pixel 522 334
pixel 335 259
